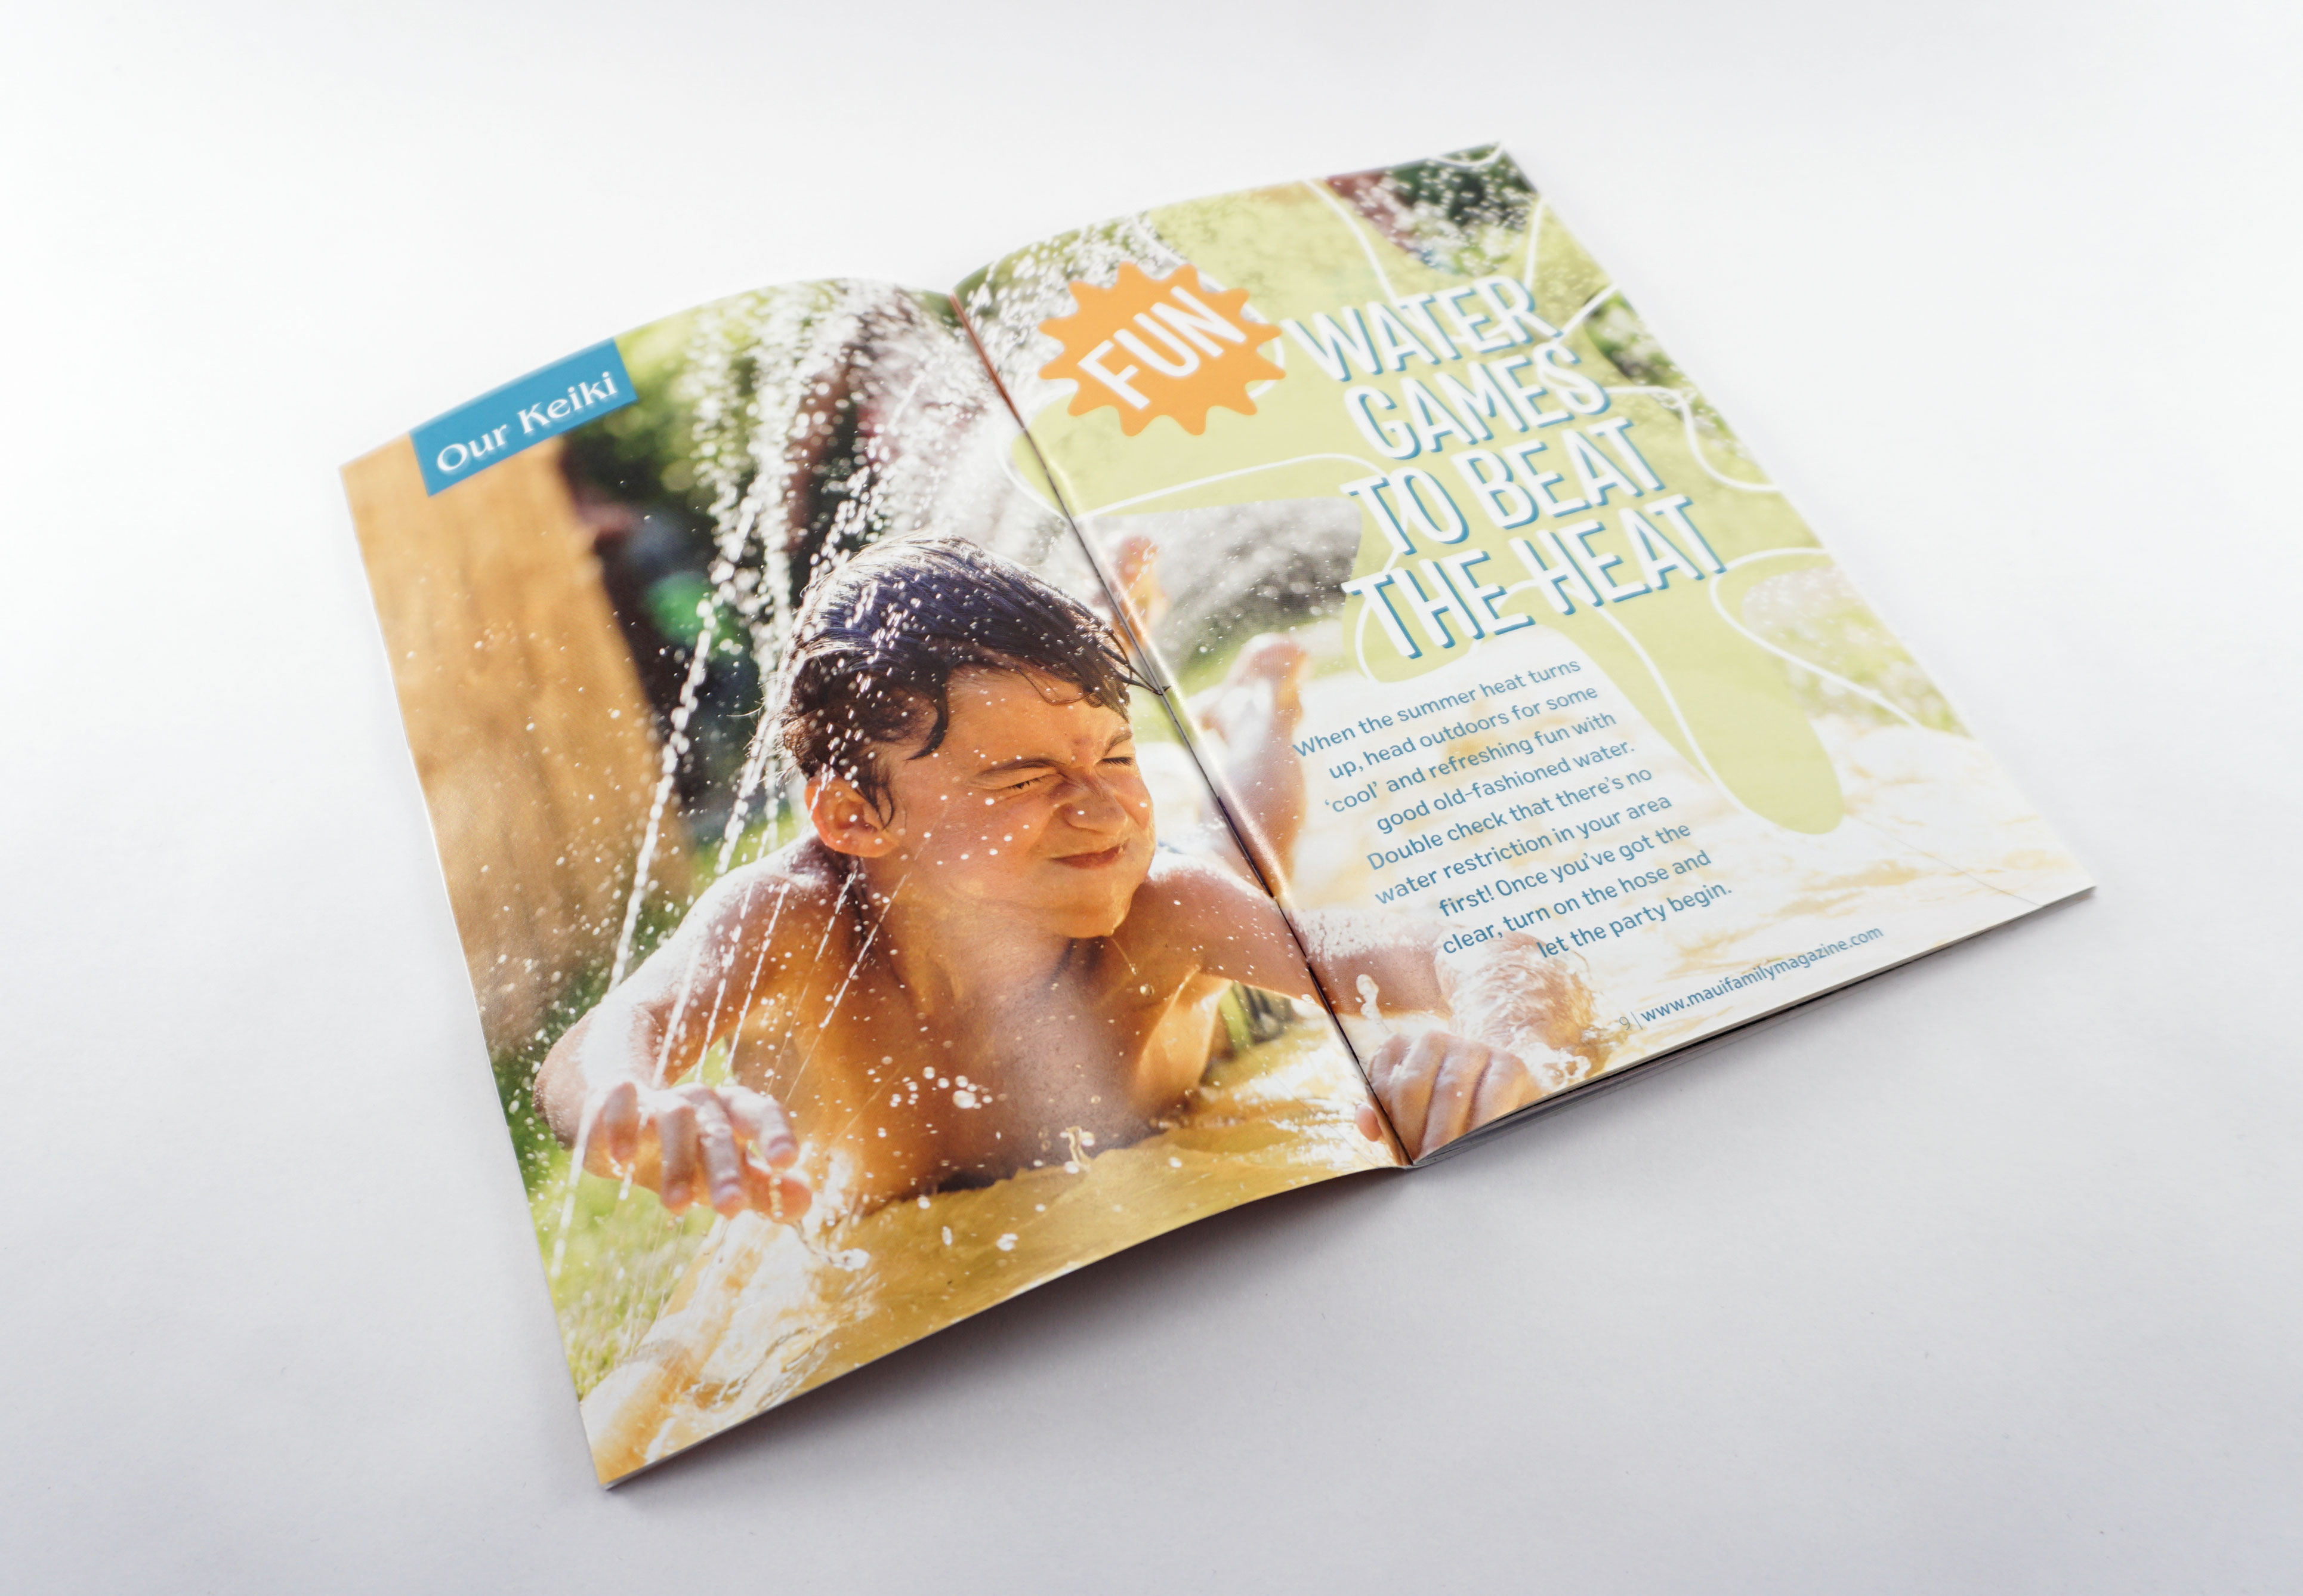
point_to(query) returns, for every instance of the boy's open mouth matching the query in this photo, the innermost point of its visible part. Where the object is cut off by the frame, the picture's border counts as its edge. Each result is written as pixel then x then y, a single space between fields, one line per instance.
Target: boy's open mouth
pixel 1092 861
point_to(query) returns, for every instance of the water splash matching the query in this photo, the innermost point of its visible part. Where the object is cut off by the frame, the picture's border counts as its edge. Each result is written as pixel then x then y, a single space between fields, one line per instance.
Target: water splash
pixel 825 416
pixel 821 417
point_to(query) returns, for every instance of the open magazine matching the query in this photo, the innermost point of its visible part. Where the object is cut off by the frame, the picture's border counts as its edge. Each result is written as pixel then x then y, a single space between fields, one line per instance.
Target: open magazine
pixel 936 788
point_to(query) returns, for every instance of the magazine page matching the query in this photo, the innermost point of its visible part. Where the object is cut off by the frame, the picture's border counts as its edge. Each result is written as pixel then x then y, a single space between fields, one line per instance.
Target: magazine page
pixel 856 943
pixel 1561 672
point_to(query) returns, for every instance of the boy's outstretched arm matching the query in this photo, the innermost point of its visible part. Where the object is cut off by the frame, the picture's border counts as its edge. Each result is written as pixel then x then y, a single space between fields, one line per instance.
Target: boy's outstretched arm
pixel 602 1087
pixel 1503 989
pixel 1513 1017
pixel 1504 1000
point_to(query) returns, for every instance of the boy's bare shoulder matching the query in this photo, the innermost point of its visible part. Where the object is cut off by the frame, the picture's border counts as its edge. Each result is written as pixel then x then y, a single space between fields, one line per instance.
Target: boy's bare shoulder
pixel 798 887
pixel 1179 870
pixel 1195 912
pixel 1184 889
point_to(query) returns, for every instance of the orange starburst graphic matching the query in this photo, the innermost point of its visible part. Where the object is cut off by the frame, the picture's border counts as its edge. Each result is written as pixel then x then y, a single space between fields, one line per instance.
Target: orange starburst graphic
pixel 1169 346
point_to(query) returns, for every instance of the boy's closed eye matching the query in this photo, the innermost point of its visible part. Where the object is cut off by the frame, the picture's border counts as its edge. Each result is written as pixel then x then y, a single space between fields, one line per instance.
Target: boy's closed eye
pixel 1022 776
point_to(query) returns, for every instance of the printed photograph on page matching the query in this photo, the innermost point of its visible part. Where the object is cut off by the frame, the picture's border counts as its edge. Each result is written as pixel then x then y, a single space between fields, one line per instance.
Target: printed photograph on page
pixel 856 943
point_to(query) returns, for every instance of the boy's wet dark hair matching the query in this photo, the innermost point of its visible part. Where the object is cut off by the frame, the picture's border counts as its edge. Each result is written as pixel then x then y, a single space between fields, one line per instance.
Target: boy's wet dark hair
pixel 879 638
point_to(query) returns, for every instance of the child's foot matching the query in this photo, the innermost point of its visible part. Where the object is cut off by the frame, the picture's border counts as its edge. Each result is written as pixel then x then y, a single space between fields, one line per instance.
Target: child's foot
pixel 1264 690
pixel 1135 562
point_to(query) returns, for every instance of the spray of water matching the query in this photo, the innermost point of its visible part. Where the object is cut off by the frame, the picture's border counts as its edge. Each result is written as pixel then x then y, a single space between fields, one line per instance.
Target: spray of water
pixel 823 417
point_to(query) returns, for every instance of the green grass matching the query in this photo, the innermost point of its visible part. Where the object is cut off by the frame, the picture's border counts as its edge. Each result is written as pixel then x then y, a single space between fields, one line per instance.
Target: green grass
pixel 621 1253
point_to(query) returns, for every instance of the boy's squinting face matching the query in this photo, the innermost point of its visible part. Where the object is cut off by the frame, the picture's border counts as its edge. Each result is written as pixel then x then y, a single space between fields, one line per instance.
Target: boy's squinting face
pixel 1031 808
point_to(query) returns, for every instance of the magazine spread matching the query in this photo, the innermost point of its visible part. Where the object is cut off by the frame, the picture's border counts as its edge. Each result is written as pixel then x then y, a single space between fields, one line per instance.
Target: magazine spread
pixel 936 789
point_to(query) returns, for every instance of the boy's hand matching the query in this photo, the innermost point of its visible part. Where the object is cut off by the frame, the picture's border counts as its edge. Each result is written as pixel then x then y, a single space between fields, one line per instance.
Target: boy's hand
pixel 1512 994
pixel 726 1147
pixel 1437 1086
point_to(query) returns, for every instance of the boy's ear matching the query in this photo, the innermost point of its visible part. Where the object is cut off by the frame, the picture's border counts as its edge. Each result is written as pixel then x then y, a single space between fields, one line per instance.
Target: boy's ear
pixel 845 820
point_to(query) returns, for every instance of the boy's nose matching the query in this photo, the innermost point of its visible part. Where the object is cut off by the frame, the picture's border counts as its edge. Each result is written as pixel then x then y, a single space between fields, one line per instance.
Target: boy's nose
pixel 1093 806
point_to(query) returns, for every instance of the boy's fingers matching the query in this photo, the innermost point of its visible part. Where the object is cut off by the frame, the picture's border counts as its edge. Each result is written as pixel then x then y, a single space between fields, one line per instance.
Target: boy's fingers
pixel 607 1142
pixel 1384 1063
pixel 1508 1085
pixel 1386 1058
pixel 631 1125
pixel 778 1196
pixel 1407 1090
pixel 721 1174
pixel 1454 1091
pixel 760 1185
pixel 675 1137
pixel 760 1122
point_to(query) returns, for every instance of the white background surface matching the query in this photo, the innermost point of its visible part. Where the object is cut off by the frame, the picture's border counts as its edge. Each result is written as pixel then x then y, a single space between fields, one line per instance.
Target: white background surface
pixel 1983 1275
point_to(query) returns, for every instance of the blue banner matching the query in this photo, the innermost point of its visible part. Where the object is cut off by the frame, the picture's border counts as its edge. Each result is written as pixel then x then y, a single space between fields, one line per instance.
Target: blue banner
pixel 565 395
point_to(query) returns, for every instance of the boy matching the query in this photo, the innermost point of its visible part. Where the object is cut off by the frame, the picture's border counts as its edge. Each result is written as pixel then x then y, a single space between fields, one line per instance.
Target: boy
pixel 980 961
